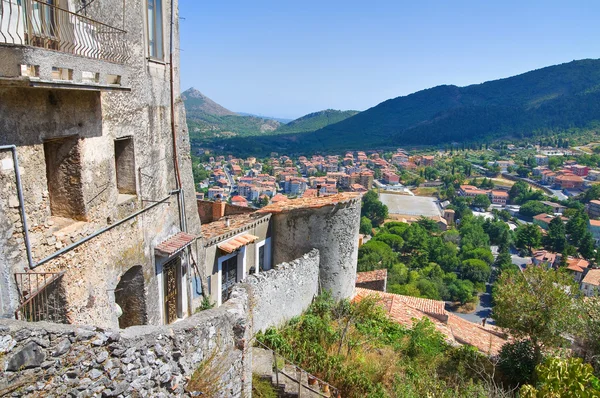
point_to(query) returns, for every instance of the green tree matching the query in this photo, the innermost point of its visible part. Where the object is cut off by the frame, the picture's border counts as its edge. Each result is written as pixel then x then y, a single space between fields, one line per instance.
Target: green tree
pixel 472 234
pixel 538 304
pixel 375 255
pixel 373 209
pixel 528 236
pixel 592 194
pixel 504 260
pixel 394 241
pixel 587 247
pixel 556 239
pixel 475 270
pixel 482 201
pixel 518 189
pixel 517 361
pixel 533 208
pixel 479 253
pixel 366 227
pixel 563 378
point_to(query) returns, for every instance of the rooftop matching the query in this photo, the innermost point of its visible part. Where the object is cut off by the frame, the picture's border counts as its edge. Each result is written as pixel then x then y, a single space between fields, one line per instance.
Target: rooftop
pixel 236 222
pixel 371 276
pixel 405 310
pixel 174 244
pixel 592 277
pixel 309 202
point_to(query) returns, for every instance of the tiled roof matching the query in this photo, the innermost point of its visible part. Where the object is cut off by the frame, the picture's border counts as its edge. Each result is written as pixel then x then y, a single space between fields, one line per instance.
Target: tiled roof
pixel 309 203
pixel 371 276
pixel 405 310
pixel 577 264
pixel 174 244
pixel 592 277
pixel 217 228
pixel 279 198
pixel 235 243
pixel 596 202
pixel 595 223
pixel 238 198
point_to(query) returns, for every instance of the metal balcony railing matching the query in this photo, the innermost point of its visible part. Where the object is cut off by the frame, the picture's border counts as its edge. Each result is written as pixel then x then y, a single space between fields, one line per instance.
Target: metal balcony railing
pixel 40 297
pixel 38 23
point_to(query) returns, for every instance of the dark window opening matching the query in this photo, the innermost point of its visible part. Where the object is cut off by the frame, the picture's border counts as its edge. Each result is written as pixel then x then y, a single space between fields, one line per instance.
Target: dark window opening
pixel 125 166
pixel 130 296
pixel 64 178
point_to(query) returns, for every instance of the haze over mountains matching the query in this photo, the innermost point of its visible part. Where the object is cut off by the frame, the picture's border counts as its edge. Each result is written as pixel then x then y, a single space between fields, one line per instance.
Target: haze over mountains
pixel 208 120
pixel 555 99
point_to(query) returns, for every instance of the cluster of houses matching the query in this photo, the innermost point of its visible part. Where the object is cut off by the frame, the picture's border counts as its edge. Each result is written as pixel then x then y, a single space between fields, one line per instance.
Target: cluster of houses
pixel 244 181
pixel 496 196
pixel 570 177
pixel 587 277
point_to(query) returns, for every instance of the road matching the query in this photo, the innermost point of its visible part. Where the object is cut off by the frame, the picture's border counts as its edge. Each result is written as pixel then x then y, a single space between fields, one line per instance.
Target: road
pixel 484 307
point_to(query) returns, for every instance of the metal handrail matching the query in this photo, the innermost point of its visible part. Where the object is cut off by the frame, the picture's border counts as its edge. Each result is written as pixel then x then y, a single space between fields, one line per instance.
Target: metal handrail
pixel 33 293
pixel 39 24
pixel 334 392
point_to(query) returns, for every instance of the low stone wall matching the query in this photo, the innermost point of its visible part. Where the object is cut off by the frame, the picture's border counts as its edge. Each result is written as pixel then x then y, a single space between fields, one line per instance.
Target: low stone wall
pixel 283 292
pixel 211 347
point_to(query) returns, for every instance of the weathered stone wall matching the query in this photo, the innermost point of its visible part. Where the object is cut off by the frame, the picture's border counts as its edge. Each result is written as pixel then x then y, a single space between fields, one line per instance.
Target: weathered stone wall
pixel 205 210
pixel 30 117
pixel 283 292
pixel 44 359
pixel 333 230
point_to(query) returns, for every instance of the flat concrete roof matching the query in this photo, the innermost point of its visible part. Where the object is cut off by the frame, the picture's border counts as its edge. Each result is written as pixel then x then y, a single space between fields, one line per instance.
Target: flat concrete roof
pixel 411 205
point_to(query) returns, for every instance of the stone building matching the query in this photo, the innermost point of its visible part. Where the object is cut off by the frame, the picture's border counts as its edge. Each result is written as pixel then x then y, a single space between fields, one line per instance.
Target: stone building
pixel 97 209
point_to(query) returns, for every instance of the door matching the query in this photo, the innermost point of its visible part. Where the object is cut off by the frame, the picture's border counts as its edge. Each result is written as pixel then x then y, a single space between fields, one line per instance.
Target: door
pixel 229 277
pixel 171 292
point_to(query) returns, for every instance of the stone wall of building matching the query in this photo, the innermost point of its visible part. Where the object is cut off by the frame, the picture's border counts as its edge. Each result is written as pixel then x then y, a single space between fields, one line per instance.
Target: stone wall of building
pixel 205 210
pixel 211 348
pixel 333 230
pixel 37 120
pixel 283 292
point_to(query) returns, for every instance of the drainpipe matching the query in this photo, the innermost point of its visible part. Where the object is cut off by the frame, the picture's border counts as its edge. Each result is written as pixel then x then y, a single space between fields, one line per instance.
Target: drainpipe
pixel 181 204
pixel 13 148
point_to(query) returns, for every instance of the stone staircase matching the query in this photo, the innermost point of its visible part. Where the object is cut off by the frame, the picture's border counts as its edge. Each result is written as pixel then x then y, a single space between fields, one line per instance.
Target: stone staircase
pixel 290 381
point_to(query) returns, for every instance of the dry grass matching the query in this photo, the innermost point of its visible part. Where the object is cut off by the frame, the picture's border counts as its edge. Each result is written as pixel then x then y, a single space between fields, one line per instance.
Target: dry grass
pixel 206 379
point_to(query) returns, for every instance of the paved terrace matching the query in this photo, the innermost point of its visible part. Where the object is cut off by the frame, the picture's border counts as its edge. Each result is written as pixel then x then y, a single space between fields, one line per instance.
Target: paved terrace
pixel 410 205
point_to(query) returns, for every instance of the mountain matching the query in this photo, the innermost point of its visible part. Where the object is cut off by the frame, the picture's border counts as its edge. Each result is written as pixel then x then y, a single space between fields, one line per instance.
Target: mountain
pixel 551 100
pixel 315 121
pixel 279 119
pixel 197 103
pixel 208 120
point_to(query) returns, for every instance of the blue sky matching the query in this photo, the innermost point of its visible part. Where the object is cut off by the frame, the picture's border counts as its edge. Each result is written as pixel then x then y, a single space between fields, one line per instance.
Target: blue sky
pixel 288 58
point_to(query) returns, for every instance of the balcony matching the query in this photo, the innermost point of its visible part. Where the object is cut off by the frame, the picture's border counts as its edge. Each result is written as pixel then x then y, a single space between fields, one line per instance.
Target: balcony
pixel 44 45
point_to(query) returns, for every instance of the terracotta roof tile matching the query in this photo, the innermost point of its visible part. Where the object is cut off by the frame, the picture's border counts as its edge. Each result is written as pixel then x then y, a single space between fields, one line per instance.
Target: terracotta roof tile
pixel 309 203
pixel 235 243
pixel 371 276
pixel 217 228
pixel 405 310
pixel 592 277
pixel 174 244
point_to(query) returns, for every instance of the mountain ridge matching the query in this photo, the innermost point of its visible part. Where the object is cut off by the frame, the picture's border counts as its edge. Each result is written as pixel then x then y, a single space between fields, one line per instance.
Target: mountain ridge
pixel 553 99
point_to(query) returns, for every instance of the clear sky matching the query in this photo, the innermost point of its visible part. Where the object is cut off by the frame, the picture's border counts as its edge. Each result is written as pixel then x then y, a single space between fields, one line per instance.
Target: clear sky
pixel 287 58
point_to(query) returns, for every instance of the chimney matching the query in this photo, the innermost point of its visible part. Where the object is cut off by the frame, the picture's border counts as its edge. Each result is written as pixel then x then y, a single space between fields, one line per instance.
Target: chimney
pixel 218 208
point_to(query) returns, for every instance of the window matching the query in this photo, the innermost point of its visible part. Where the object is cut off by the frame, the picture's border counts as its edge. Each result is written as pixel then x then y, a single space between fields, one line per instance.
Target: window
pixel 64 178
pixel 155 29
pixel 125 165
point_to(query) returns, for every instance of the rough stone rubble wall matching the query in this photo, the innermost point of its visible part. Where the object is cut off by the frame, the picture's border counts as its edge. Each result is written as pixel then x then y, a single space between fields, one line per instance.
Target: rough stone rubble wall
pixel 147 361
pixel 284 292
pixel 333 230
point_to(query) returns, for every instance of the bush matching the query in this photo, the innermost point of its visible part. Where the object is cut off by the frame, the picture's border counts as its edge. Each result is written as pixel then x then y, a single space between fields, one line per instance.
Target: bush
pixel 517 362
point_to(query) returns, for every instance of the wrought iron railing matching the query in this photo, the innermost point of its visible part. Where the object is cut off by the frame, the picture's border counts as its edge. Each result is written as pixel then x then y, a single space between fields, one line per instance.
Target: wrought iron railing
pixel 40 24
pixel 40 296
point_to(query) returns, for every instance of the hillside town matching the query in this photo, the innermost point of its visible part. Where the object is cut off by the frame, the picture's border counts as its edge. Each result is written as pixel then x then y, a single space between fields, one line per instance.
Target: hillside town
pixel 137 262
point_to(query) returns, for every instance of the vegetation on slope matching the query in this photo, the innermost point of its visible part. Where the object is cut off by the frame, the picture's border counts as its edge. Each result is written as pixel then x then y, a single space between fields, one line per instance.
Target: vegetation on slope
pixel 552 100
pixel 314 121
pixel 358 349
